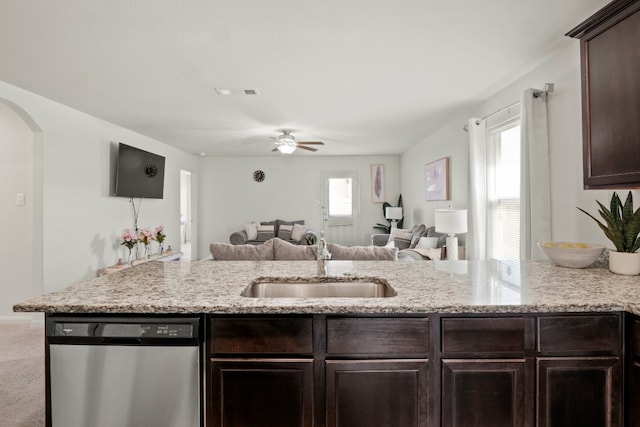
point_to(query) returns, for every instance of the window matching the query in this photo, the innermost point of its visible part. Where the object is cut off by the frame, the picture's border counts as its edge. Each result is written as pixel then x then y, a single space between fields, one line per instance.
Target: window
pixel 503 192
pixel 340 198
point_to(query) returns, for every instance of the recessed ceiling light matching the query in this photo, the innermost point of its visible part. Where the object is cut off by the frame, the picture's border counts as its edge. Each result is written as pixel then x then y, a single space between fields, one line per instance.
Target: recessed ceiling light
pixel 202 153
pixel 234 91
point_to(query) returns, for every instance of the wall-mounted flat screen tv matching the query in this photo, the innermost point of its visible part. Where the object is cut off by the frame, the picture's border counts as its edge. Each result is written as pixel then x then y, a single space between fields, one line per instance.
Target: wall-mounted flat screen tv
pixel 139 174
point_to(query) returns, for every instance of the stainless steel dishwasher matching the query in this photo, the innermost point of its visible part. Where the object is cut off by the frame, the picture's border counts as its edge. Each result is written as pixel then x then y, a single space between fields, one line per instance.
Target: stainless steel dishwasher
pixel 124 371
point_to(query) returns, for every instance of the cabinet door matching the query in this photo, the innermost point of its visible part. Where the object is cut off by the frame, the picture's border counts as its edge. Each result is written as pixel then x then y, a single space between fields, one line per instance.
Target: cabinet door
pixel 365 393
pixel 579 392
pixel 259 393
pixel 487 393
pixel 633 393
pixel 610 88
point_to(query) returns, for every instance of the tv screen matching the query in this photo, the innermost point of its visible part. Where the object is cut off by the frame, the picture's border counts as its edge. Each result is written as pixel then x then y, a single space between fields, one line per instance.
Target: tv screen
pixel 139 173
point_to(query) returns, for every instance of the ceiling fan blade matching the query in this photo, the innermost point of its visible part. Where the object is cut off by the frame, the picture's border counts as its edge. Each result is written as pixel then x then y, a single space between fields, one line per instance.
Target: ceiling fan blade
pixel 306 148
pixel 311 142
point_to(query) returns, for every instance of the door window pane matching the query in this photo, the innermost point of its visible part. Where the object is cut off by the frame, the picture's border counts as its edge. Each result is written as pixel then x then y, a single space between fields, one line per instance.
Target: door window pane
pixel 340 197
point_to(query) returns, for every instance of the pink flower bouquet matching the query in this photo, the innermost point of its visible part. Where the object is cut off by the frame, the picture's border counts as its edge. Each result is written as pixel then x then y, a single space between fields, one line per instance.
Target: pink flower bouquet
pixel 129 238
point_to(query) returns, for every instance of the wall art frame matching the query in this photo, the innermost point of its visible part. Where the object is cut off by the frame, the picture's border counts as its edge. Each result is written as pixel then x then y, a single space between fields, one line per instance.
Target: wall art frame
pixel 436 180
pixel 378 191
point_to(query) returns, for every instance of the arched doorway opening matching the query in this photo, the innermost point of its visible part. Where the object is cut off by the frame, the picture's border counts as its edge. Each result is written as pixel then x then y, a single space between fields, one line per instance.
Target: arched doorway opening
pixel 21 212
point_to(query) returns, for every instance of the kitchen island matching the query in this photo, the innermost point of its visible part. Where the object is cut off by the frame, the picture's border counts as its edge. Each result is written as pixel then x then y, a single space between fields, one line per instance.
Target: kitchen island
pixel 462 343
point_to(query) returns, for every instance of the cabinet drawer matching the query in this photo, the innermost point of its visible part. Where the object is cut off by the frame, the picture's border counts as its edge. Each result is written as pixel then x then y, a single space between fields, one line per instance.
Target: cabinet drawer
pixel 599 334
pixel 261 335
pixel 497 335
pixel 396 336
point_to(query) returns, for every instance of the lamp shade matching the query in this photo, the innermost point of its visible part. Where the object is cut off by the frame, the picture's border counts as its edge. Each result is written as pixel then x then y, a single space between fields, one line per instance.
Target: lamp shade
pixel 451 221
pixel 393 212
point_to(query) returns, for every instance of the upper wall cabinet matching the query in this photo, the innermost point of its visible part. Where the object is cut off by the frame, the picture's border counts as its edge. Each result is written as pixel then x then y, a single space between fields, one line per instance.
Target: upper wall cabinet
pixel 610 56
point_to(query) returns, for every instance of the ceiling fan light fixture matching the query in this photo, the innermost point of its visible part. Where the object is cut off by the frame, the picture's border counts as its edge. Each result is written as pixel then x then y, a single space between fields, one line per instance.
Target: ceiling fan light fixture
pixel 286 139
pixel 286 148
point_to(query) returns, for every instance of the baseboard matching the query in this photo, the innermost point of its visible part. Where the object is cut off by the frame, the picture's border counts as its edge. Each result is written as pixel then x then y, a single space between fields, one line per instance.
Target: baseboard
pixel 34 318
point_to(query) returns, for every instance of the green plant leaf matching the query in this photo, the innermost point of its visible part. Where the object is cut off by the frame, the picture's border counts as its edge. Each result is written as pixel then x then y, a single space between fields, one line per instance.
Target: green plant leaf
pixel 621 224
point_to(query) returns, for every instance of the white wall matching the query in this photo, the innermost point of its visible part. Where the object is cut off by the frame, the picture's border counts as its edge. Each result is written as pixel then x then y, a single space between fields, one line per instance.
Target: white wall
pixel 81 221
pixel 565 139
pixel 229 197
pixel 451 142
pixel 17 152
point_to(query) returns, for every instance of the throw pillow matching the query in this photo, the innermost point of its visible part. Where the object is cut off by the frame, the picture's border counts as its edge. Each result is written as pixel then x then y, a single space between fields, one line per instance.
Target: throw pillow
pixel 285 251
pixel 252 231
pixel 392 234
pixel 362 253
pixel 227 252
pixel 283 222
pixel 402 239
pixel 442 237
pixel 427 242
pixel 416 233
pixel 297 232
pixel 284 232
pixel 265 232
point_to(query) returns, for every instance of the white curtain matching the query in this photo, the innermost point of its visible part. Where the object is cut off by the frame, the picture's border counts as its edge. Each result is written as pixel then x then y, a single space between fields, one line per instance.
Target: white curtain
pixel 535 189
pixel 477 236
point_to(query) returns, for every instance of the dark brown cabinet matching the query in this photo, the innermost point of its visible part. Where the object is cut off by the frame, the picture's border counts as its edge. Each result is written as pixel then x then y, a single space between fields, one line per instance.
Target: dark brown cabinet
pixel 487 371
pixel 611 95
pixel 579 370
pixel 317 370
pixel 260 372
pixel 543 370
pixel 486 393
pixel 632 401
pixel 364 393
pixel 261 393
pixel 582 392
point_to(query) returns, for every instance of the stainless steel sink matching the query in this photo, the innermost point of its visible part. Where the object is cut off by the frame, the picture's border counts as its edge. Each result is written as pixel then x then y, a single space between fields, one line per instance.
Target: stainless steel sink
pixel 318 287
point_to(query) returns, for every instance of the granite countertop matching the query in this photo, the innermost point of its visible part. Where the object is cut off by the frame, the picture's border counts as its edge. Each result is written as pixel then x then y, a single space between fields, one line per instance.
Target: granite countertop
pixel 208 286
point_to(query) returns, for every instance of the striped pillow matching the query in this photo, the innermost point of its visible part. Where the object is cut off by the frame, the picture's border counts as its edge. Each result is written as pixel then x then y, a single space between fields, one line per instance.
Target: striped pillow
pixel 284 232
pixel 402 239
pixel 265 232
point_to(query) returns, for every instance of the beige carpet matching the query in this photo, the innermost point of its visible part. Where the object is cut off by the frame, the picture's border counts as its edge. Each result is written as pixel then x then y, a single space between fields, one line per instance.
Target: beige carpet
pixel 22 394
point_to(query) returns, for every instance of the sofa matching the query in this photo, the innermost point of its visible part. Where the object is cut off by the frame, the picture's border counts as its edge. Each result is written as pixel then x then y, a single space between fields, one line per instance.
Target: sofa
pixel 277 249
pixel 414 244
pixel 294 232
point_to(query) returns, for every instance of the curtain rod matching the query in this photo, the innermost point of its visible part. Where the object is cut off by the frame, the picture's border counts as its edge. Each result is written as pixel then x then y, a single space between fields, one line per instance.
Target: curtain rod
pixel 548 88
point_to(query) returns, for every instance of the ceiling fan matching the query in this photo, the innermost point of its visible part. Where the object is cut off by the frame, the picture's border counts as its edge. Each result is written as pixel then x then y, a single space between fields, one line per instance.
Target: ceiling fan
pixel 286 143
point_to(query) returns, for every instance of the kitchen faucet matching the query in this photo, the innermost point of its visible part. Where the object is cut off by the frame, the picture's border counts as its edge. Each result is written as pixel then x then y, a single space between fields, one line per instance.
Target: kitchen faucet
pixel 323 255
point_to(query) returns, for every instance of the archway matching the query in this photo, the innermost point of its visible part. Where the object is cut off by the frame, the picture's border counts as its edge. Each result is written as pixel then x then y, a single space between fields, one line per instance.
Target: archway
pixel 21 211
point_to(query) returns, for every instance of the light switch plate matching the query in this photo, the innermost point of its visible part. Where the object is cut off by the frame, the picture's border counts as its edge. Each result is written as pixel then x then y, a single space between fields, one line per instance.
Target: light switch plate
pixel 20 199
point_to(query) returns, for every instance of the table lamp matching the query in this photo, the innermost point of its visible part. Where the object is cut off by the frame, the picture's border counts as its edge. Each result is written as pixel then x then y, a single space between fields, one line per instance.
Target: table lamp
pixel 451 222
pixel 393 214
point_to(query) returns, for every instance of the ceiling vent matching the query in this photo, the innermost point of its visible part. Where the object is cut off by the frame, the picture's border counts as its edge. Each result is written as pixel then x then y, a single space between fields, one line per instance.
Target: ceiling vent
pixel 234 91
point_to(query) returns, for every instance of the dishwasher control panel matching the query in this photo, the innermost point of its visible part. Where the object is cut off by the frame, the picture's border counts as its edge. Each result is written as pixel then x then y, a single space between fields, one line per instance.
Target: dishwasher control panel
pixel 106 328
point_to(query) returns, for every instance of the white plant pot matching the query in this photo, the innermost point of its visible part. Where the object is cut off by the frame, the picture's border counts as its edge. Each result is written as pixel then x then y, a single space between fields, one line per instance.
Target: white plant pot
pixel 627 263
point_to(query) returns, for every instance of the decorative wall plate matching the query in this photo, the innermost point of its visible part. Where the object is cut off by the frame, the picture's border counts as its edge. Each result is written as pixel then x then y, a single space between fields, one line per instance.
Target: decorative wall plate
pixel 258 176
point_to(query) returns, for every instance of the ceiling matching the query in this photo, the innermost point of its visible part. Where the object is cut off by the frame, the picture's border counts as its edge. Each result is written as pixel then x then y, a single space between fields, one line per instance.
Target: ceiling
pixel 367 77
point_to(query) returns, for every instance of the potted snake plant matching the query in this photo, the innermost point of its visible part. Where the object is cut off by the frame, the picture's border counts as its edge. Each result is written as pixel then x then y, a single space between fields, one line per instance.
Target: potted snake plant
pixel 621 226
